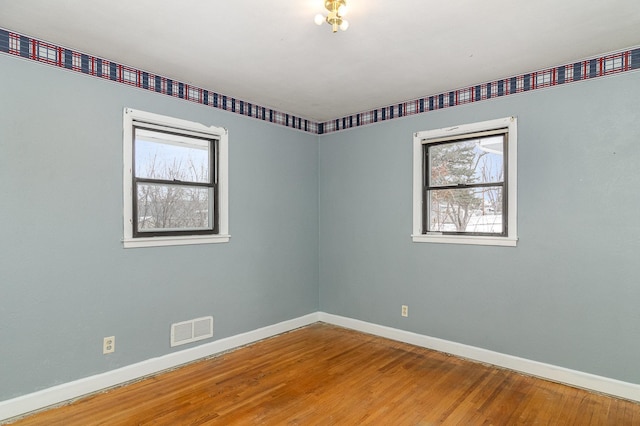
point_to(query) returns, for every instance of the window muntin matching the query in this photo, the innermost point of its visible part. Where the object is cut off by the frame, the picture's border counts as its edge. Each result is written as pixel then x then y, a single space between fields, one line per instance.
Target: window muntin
pixel 464 184
pixel 175 181
pixel 465 187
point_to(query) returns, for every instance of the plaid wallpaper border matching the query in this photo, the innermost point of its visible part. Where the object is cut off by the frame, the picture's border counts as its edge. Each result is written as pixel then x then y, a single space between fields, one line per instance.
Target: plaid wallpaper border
pixel 51 54
pixel 44 52
pixel 613 63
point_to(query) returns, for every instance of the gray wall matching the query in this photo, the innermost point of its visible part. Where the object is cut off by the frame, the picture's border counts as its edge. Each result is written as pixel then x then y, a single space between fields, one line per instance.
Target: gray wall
pixel 567 294
pixel 65 280
pixel 316 223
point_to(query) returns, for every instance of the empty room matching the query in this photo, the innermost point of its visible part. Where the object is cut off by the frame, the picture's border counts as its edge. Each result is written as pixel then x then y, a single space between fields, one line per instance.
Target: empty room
pixel 319 212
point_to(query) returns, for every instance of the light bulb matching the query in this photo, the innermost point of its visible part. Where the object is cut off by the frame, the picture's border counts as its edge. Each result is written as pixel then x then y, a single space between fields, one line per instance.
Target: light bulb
pixel 344 25
pixel 319 19
pixel 343 10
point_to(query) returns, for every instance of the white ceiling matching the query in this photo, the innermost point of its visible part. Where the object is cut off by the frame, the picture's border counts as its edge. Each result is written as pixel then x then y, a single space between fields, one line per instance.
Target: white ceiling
pixel 272 54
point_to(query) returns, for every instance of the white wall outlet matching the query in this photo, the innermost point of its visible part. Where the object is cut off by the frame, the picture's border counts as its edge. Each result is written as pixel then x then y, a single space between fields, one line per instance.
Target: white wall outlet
pixel 109 345
pixel 405 311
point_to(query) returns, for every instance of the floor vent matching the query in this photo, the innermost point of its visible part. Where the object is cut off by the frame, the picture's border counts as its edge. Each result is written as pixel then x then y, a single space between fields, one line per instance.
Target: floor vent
pixel 191 331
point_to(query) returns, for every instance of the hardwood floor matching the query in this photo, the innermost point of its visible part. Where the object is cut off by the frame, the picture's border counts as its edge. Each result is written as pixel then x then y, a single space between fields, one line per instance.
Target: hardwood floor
pixel 326 375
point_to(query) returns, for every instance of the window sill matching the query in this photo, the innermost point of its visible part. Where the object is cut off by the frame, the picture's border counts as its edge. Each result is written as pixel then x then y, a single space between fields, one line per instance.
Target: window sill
pixel 473 240
pixel 174 241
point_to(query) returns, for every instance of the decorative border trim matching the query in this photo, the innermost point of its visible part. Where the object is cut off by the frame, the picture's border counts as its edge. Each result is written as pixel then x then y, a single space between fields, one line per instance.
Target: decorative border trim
pixel 608 64
pixel 51 54
pixel 40 51
pixel 551 372
pixel 68 391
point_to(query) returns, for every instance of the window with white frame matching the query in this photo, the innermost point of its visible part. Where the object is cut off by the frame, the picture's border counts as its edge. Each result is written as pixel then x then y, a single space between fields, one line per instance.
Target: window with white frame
pixel 175 181
pixel 464 184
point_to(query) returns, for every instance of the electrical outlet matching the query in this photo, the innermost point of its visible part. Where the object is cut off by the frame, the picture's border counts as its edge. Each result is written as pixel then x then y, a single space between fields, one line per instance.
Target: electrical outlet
pixel 405 311
pixel 109 345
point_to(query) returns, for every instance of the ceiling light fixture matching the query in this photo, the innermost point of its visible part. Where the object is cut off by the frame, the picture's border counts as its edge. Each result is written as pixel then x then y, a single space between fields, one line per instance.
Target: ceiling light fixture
pixel 337 9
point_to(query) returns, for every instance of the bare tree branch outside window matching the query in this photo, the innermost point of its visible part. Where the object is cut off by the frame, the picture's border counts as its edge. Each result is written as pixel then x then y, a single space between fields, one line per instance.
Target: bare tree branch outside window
pixel 167 198
pixel 466 209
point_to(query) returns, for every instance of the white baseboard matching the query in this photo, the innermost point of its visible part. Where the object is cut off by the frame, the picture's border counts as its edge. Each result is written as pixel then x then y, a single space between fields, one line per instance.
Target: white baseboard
pixel 554 373
pixel 68 391
pixel 71 390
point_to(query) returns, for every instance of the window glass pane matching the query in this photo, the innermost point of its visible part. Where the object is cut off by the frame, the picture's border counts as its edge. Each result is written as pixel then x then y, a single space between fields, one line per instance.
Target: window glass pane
pixel 166 156
pixel 467 162
pixel 173 207
pixel 466 210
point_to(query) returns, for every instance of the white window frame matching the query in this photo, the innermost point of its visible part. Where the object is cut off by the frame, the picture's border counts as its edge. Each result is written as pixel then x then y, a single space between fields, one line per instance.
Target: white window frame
pixel 424 137
pixel 132 116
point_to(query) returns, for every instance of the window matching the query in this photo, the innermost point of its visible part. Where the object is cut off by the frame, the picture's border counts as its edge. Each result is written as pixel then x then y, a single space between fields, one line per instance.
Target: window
pixel 175 181
pixel 464 184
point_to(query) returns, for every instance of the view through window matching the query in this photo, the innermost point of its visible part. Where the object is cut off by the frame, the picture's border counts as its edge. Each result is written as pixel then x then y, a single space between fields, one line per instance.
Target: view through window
pixel 465 186
pixel 175 181
pixel 465 182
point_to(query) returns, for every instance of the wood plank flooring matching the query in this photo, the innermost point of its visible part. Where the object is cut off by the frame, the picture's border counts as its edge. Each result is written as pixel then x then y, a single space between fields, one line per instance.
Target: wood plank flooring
pixel 326 375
